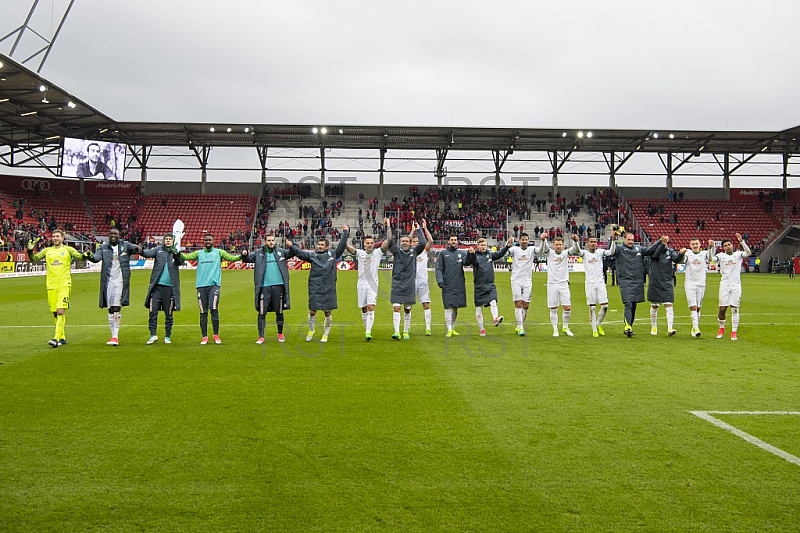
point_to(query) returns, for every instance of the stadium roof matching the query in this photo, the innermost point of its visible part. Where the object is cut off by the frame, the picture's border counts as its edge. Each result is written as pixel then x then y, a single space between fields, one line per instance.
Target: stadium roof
pixel 32 117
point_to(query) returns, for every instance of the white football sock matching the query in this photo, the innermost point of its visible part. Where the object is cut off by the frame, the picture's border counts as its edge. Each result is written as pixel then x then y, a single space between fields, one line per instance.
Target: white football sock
pixel 479 317
pixel 734 319
pixel 695 320
pixel 493 307
pixel 670 317
pixel 328 323
pixel 602 314
pixel 407 322
pixel 427 319
pixel 654 317
pixel 593 317
pixel 396 321
pixel 117 324
pixel 370 320
pixel 721 324
pixel 554 319
pixel 111 323
pixel 364 318
pixel 448 319
pixel 312 319
pixel 518 316
pixel 565 318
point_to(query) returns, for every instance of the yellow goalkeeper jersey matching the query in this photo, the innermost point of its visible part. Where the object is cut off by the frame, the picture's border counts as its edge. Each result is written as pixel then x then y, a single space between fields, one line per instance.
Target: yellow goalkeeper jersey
pixel 58 261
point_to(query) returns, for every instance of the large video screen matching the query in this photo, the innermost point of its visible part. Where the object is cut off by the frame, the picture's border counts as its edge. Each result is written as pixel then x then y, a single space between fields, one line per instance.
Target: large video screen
pixel 93 160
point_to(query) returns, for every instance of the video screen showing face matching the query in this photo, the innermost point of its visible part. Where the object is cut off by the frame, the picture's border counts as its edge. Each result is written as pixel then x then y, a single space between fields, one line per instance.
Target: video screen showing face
pixel 95 160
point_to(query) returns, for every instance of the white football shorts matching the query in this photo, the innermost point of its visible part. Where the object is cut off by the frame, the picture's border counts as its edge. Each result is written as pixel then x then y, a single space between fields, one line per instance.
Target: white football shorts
pixel 730 295
pixel 695 294
pixel 521 291
pixel 558 295
pixel 596 293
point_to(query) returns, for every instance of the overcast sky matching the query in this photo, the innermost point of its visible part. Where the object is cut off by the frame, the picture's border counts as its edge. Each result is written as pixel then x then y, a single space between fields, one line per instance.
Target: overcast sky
pixel 595 64
pixel 702 65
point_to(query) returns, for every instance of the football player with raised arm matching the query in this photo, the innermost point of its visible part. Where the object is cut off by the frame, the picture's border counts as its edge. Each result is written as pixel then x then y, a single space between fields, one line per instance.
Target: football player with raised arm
pixel 369 260
pixel 729 263
pixel 595 287
pixel 694 279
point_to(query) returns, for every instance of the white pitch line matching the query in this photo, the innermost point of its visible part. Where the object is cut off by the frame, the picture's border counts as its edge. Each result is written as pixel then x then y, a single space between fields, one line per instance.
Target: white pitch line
pixel 746 436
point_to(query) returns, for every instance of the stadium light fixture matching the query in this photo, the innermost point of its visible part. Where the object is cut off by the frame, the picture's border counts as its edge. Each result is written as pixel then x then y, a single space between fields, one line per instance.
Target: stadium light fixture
pixel 671 135
pixel 53 138
pixel 3 100
pixel 42 88
pixel 341 130
pixel 72 105
pixel 564 134
pixel 314 131
pixel 764 148
pixel 323 131
pixel 247 130
pixel 28 113
pixel 1 64
pixel 211 129
pixel 45 100
pixel 580 135
pixel 589 134
pixel 229 130
pixel 655 135
pixel 104 130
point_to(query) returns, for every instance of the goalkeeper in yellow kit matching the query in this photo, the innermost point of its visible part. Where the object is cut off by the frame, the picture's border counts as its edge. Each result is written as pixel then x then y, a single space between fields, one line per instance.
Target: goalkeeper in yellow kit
pixel 58 259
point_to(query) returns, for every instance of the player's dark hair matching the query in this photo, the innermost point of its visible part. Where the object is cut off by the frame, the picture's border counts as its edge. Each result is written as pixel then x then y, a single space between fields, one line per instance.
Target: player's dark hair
pixel 327 243
pixel 208 235
pixel 724 241
pixel 451 236
pixel 114 229
pixel 369 237
pixel 521 235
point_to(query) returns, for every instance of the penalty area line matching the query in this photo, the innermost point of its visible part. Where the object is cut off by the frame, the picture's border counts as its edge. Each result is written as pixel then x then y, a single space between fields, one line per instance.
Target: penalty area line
pixel 706 415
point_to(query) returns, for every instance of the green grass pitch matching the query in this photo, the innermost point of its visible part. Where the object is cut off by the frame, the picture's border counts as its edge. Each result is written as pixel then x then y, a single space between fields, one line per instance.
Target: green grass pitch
pixel 469 434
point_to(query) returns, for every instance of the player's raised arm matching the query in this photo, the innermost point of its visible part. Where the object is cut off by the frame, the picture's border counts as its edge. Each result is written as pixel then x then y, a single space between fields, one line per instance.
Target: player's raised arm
pixel 297 252
pixel 712 248
pixel 499 254
pixel 343 241
pixel 75 254
pixel 95 257
pixel 388 241
pixel 656 248
pixel 575 249
pixel 30 247
pixel 225 256
pixel 612 248
pixel 544 247
pixel 745 249
pixel 190 256
pixel 427 235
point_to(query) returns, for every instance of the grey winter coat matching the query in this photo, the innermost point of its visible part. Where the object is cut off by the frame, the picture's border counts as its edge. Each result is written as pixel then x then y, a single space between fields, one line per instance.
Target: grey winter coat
pixel 630 270
pixel 450 276
pixel 322 277
pixel 483 275
pixel 106 255
pixel 404 271
pixel 259 257
pixel 662 266
pixel 163 258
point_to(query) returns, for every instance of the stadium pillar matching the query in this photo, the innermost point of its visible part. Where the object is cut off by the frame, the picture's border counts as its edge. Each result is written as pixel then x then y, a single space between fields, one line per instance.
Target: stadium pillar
pixel 380 178
pixel 262 158
pixel 726 173
pixel 143 163
pixel 203 176
pixel 612 173
pixel 669 172
pixel 555 172
pixel 322 171
pixel 81 186
pixel 785 171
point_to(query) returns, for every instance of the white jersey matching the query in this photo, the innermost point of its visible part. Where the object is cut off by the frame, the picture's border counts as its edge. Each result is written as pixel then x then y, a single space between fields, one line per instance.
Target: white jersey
pixel 368 266
pixel 696 268
pixel 557 267
pixel 522 264
pixel 593 264
pixel 422 269
pixel 115 272
pixel 730 266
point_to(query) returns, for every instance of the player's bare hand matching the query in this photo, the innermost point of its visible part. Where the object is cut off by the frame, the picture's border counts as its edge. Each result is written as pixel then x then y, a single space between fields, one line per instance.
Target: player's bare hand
pixel 574 237
pixel 682 251
pixel 664 239
pixel 345 228
pixel 739 237
pixel 424 223
pixel 510 242
pixel 471 250
pixel 244 253
pixel 544 236
pixel 386 222
pixel 289 243
pixel 710 243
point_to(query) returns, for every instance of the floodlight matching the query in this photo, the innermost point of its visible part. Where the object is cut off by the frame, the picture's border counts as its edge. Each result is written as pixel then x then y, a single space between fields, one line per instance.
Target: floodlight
pixel 323 131
pixel 589 134
pixel 42 88
pixel 211 129
pixel 655 135
pixel 580 135
pixel 314 131
pixel 671 135
pixel 229 130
